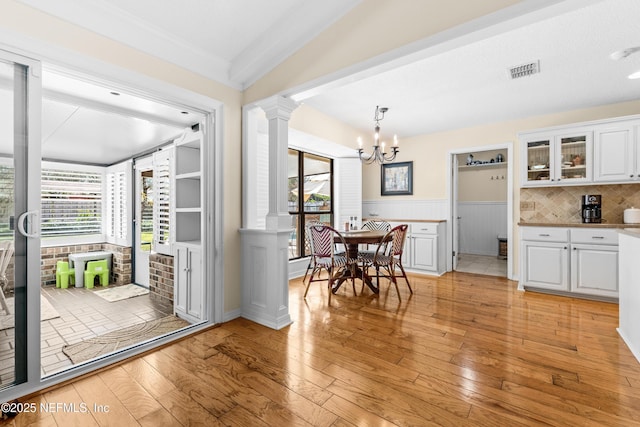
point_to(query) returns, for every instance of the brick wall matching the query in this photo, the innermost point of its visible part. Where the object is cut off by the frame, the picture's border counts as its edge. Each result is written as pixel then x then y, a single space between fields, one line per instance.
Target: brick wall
pixel 120 272
pixel 161 278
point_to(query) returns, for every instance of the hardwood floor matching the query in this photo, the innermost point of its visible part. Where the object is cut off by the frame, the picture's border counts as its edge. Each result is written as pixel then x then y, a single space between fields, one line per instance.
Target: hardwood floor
pixel 462 350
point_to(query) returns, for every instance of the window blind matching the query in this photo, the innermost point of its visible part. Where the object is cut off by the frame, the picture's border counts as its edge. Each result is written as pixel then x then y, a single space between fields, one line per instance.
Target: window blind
pixel 116 206
pixel 71 203
pixel 162 223
pixel 121 213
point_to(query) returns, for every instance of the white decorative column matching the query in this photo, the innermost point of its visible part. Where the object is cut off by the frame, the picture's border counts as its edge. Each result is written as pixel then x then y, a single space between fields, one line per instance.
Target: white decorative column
pixel 265 252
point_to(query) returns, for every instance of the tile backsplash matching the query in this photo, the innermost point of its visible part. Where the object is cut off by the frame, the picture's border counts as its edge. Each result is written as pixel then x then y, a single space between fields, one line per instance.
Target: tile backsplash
pixel 562 204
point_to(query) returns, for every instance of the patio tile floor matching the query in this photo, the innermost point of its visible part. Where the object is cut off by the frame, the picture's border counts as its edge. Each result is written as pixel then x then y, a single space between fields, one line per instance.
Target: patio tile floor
pixel 82 315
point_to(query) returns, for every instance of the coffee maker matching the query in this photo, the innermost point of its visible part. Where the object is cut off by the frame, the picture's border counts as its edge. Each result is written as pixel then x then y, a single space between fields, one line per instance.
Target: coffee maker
pixel 592 208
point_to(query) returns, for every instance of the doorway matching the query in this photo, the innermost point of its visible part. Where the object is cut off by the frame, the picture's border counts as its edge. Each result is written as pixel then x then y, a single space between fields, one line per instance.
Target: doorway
pixel 143 219
pixel 481 206
pixel 97 210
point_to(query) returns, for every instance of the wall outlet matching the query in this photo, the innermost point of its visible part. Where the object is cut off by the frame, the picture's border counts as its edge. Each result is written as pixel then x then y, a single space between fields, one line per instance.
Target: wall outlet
pixel 527 206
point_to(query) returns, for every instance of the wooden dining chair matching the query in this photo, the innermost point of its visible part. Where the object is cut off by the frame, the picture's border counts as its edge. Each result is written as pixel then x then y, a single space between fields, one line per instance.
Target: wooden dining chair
pixel 308 247
pixel 389 258
pixel 366 254
pixel 323 238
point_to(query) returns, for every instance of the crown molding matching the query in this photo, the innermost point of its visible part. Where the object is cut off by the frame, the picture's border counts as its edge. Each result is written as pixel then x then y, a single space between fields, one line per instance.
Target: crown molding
pixel 281 40
pixel 286 36
pixel 98 16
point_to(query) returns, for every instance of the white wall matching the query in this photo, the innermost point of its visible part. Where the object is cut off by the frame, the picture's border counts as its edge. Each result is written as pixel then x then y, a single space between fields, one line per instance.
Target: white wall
pixel 480 225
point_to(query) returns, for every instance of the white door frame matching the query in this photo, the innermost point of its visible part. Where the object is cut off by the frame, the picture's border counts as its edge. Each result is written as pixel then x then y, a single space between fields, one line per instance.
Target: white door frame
pixel 81 66
pixel 140 257
pixel 452 177
pixel 27 156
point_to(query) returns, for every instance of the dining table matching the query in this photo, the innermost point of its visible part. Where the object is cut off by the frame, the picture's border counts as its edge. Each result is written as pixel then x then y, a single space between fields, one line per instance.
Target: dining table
pixel 353 239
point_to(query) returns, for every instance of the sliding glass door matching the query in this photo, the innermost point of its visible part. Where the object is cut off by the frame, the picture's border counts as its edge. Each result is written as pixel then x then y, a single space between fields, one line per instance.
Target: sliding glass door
pixel 19 224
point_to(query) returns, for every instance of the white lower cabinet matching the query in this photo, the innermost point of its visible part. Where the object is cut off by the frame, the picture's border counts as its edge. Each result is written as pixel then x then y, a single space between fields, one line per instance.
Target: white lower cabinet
pixel 188 290
pixel 594 269
pixel 424 252
pixel 547 265
pixel 424 249
pixel 582 261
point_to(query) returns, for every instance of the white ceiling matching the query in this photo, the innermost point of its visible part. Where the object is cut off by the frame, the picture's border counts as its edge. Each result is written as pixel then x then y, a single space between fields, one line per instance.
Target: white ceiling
pixel 86 122
pixel 232 41
pixel 471 85
pixel 455 88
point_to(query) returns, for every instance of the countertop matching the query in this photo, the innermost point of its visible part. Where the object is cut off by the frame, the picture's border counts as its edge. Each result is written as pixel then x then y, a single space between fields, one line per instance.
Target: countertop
pixel 633 232
pixel 577 225
pixel 407 220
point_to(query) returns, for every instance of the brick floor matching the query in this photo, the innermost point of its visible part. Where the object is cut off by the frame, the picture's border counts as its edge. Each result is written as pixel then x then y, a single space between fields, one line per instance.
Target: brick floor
pixel 82 315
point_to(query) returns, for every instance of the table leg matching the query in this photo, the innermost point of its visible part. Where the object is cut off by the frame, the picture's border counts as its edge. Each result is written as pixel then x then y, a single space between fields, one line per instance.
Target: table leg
pixel 79 266
pixel 353 271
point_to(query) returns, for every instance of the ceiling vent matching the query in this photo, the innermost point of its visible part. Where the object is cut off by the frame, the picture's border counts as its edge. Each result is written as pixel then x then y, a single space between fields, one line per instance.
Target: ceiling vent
pixel 524 70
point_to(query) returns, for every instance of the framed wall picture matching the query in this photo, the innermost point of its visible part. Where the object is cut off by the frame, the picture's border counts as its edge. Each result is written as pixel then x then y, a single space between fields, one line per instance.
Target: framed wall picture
pixel 397 179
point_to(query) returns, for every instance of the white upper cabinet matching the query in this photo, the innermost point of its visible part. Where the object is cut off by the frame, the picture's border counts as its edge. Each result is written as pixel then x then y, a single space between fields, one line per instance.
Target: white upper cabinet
pixel 604 151
pixel 557 158
pixel 616 152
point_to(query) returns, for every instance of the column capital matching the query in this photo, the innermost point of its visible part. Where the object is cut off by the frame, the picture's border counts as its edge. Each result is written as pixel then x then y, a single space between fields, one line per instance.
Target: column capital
pixel 278 107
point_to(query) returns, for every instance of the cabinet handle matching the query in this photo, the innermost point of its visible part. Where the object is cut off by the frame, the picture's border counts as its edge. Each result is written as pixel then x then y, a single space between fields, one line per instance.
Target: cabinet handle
pixel 566 248
pixel 544 235
pixel 575 249
pixel 597 237
pixel 631 176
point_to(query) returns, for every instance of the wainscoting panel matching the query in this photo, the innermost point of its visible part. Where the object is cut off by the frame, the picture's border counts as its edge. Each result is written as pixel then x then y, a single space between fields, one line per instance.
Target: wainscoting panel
pixel 405 209
pixel 480 224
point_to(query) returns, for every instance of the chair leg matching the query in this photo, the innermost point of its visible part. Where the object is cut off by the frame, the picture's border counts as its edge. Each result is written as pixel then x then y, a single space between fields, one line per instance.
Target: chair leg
pixel 88 281
pixel 3 301
pixel 306 290
pixel 314 270
pixel 64 281
pixel 394 280
pixel 405 277
pixel 353 278
pixel 330 283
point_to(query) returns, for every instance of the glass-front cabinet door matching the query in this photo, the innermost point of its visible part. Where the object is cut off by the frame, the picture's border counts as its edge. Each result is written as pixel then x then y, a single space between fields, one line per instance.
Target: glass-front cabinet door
pixel 573 154
pixel 557 159
pixel 538 161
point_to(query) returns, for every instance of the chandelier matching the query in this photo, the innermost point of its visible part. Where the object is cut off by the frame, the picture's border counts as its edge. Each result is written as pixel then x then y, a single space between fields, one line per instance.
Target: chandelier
pixel 378 154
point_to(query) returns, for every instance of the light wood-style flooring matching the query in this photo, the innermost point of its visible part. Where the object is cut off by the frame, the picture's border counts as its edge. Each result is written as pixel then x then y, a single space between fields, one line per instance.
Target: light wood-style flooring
pixel 463 350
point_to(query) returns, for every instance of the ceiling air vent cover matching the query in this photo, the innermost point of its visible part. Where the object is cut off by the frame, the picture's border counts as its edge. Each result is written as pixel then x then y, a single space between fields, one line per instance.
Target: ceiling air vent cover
pixel 524 70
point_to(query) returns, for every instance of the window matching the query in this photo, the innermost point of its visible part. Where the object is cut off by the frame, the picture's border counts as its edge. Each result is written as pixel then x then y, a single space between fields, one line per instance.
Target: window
pixel 71 203
pixel 312 177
